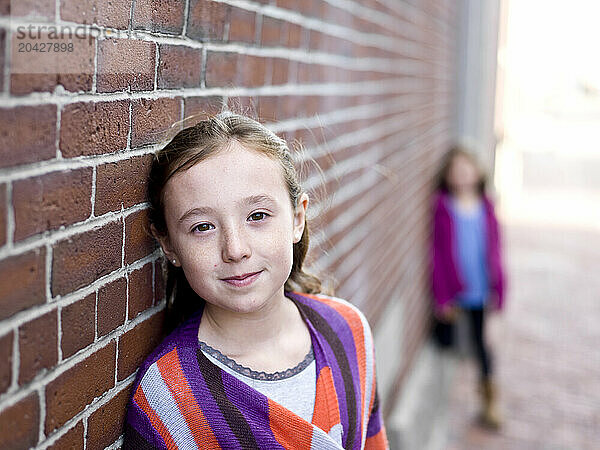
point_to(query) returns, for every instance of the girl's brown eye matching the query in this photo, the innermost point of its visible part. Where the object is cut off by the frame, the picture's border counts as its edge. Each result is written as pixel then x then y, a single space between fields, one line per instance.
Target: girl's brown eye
pixel 202 227
pixel 258 216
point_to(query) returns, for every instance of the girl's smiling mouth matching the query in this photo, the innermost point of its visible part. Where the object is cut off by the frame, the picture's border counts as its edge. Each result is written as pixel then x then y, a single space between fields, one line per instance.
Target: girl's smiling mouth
pixel 242 280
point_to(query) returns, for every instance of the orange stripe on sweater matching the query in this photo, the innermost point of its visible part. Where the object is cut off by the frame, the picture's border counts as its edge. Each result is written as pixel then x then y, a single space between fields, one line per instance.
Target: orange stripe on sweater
pixel 377 441
pixel 289 429
pixel 142 402
pixel 326 412
pixel 356 326
pixel 174 378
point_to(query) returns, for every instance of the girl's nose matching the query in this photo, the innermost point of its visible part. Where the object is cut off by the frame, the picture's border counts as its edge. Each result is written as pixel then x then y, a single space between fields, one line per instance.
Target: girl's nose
pixel 235 245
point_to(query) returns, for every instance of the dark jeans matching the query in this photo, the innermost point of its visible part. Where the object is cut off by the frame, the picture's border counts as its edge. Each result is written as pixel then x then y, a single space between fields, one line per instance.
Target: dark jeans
pixel 477 324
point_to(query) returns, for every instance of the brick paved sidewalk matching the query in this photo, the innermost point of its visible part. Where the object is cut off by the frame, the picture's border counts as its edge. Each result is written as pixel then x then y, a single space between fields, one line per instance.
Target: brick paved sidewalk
pixel 546 347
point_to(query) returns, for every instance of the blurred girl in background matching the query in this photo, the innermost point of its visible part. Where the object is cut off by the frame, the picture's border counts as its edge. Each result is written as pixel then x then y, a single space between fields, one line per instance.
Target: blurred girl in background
pixel 467 272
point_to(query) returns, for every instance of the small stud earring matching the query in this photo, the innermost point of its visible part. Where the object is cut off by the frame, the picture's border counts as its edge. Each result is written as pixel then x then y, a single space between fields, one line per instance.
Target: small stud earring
pixel 174 261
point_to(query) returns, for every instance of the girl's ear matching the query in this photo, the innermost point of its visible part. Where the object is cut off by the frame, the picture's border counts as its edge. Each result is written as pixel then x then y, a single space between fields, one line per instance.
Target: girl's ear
pixel 300 216
pixel 165 244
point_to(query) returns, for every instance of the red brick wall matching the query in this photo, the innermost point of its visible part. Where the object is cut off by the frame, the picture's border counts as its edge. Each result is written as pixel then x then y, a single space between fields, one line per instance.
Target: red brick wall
pixel 367 84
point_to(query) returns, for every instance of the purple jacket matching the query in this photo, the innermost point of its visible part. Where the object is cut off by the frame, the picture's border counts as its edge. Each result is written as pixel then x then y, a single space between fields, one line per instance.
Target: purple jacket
pixel 446 279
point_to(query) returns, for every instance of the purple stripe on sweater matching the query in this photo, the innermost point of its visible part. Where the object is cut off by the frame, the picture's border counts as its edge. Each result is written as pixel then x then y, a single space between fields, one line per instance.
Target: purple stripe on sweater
pixel 344 333
pixel 202 394
pixel 254 406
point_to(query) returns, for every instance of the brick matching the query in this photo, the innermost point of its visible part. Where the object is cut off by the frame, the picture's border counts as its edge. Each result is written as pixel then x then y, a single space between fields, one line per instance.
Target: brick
pixel 271 32
pixel 159 282
pixel 125 63
pixel 294 34
pixel 112 306
pixel 243 105
pixel 267 108
pixel 242 25
pixel 123 182
pixel 22 284
pixel 75 388
pixel 105 425
pixel 137 343
pixel 165 16
pixel 51 200
pixel 6 356
pixel 206 20
pixel 3 213
pixel 19 424
pixel 138 240
pixel 83 258
pixel 253 73
pixel 152 119
pixel 38 348
pixel 78 324
pixel 2 57
pixel 46 70
pixel 201 107
pixel 221 69
pixel 27 134
pixel 72 439
pixel 140 290
pixel 179 67
pixel 39 9
pixel 279 71
pixel 98 12
pixel 92 128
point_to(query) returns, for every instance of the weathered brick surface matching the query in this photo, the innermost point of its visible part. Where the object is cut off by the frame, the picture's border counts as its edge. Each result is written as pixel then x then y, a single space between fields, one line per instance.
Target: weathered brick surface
pixel 49 201
pixel 140 290
pixel 179 67
pixel 138 240
pixel 85 257
pixel 6 356
pixel 125 63
pixel 75 388
pixel 78 325
pixel 110 103
pixel 98 12
pixel 206 20
pixel 72 439
pixel 201 107
pixel 105 424
pixel 242 25
pixel 29 269
pixel 122 182
pixel 112 306
pixel 152 120
pixel 137 343
pixel 19 424
pixel 92 128
pixel 165 16
pixel 27 134
pixel 38 348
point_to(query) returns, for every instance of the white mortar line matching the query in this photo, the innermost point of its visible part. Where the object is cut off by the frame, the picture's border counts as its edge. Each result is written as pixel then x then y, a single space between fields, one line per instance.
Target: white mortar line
pixel 35 312
pixel 42 399
pixel 40 382
pixel 186 11
pixel 10 215
pixel 14 385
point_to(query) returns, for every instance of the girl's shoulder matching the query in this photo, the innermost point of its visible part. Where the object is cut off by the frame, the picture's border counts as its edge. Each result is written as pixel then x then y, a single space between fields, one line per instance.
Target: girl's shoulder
pixel 332 308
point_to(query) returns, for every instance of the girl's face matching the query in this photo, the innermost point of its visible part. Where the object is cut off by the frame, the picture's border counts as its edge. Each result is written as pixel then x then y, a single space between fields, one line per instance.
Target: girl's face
pixel 232 228
pixel 462 175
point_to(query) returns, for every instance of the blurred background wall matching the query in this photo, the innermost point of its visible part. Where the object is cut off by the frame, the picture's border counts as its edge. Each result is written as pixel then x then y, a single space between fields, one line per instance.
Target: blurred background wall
pixel 367 88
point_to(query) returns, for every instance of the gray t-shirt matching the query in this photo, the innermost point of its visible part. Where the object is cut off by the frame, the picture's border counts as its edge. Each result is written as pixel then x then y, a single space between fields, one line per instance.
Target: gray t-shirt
pixel 294 389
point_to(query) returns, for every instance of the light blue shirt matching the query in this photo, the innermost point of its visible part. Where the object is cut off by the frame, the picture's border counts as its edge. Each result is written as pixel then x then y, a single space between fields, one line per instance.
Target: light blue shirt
pixel 470 231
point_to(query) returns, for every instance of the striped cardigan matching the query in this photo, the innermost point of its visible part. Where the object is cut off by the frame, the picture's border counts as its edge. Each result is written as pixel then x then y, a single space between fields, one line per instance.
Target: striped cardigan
pixel 182 400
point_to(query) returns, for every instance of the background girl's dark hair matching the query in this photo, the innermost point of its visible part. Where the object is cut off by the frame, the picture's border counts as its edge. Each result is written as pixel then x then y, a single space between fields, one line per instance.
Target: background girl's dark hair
pixel 194 144
pixel 441 183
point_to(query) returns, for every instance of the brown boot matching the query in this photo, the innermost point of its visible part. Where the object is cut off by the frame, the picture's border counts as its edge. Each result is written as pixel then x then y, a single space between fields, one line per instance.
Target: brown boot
pixel 489 415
